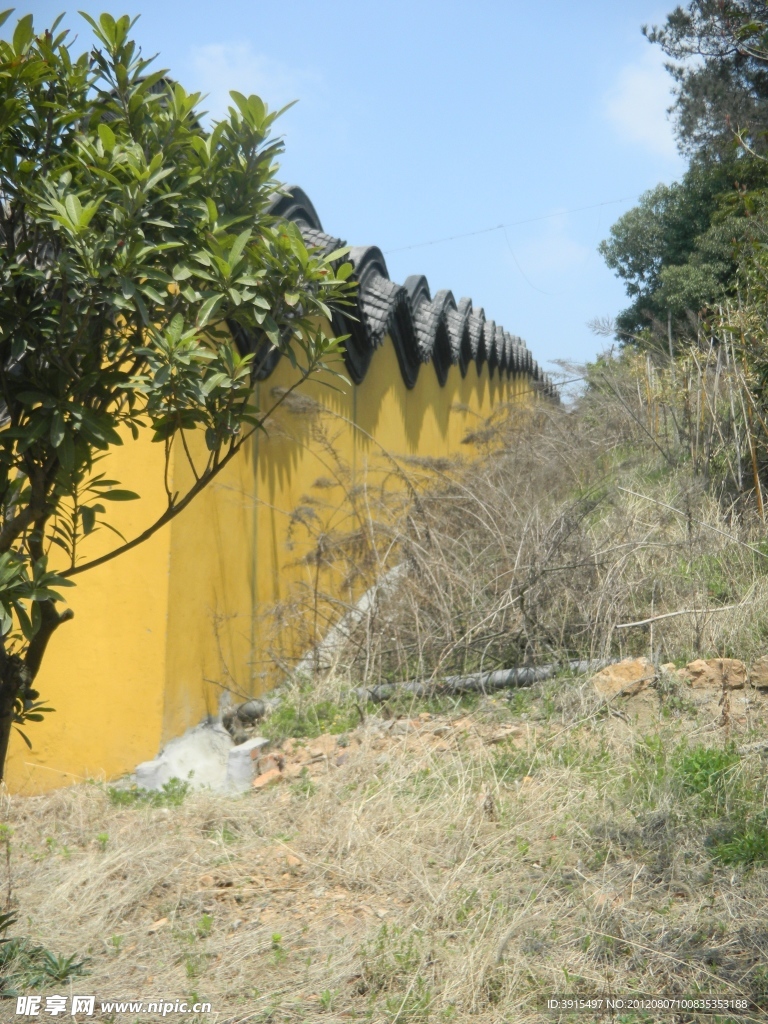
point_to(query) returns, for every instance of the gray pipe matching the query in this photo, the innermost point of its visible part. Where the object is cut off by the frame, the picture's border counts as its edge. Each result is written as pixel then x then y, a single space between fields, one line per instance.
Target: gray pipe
pixel 483 682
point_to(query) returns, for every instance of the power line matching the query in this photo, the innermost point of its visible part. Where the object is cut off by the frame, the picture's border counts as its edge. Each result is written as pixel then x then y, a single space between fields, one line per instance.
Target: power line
pixel 512 224
pixel 517 264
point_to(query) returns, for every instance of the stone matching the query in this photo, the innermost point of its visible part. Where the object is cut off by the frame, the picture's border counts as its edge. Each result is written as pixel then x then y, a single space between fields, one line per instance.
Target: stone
pixel 402 727
pixel 758 674
pixel 507 732
pixel 716 674
pixel 268 762
pixel 239 719
pixel 206 880
pixel 292 861
pixel 153 774
pixel 625 679
pixel 262 781
pixel 240 763
pixel 699 675
pixel 322 746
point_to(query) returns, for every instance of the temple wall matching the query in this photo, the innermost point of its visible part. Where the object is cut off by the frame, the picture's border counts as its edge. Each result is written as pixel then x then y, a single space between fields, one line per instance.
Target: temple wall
pixel 159 631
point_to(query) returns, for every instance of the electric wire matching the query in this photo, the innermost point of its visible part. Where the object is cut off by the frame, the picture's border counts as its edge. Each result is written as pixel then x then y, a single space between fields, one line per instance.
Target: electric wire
pixel 511 224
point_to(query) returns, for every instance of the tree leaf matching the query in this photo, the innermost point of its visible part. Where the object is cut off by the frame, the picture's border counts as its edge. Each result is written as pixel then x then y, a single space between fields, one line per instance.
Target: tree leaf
pixel 24 621
pixel 107 136
pixel 337 254
pixel 23 736
pixel 58 431
pixel 238 245
pixel 74 210
pixel 207 309
pixel 176 327
pixel 23 33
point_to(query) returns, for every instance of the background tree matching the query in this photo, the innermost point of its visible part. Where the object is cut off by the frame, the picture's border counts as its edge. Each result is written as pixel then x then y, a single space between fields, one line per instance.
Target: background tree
pixel 719 60
pixel 677 250
pixel 133 242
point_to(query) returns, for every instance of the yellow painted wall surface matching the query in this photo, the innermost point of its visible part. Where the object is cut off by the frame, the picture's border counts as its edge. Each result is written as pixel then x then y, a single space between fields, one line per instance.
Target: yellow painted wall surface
pixel 104 671
pixel 158 632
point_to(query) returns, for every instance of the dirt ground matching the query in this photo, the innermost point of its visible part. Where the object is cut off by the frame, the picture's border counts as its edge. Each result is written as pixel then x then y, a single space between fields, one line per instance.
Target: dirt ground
pixel 458 864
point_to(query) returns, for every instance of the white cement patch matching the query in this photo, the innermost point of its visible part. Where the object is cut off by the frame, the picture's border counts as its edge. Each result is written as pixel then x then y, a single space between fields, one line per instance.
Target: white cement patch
pixel 199 757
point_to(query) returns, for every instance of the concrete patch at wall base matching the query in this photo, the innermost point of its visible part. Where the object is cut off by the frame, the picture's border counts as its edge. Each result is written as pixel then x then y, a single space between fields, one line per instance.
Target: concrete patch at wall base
pixel 198 757
pixel 205 758
pixel 241 764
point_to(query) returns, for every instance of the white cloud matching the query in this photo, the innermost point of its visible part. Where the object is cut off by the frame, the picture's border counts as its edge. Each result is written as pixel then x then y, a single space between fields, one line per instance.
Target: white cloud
pixel 549 252
pixel 637 104
pixel 218 68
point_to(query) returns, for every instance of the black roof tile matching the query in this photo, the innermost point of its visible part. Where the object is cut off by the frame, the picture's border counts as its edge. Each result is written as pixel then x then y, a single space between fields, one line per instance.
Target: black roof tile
pixel 423 329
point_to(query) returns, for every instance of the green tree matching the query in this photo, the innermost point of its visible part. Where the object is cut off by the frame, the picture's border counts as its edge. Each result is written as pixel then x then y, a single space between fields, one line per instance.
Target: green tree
pixel 677 250
pixel 133 244
pixel 719 60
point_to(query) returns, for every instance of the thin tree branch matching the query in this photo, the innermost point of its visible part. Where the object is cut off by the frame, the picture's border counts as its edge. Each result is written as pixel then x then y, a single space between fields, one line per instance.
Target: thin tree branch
pixel 175 508
pixel 166 467
pixel 16 526
pixel 683 611
pixel 195 474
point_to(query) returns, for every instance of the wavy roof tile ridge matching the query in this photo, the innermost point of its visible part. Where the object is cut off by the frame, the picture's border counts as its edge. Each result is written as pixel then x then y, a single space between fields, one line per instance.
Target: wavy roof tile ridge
pixel 423 329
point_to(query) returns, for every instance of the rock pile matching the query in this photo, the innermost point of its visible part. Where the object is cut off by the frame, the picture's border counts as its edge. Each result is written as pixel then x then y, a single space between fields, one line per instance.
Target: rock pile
pixel 726 687
pixel 296 759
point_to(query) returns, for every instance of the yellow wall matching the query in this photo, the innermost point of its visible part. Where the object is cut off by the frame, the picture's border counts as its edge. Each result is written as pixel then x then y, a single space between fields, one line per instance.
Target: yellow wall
pixel 158 631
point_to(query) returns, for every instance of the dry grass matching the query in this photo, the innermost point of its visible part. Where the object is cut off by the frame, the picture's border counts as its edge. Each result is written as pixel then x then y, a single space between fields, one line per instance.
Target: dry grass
pixel 489 853
pixel 638 502
pixel 457 866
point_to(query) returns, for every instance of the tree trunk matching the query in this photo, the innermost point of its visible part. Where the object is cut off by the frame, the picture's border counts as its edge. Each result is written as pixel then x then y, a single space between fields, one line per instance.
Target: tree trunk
pixel 14 682
pixel 17 674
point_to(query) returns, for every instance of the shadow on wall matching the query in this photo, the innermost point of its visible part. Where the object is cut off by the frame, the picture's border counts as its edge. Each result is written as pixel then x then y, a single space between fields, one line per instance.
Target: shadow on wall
pixel 329 462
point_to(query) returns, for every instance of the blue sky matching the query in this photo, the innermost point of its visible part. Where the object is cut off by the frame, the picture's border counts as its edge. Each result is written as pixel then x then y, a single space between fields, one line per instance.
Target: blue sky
pixel 418 121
